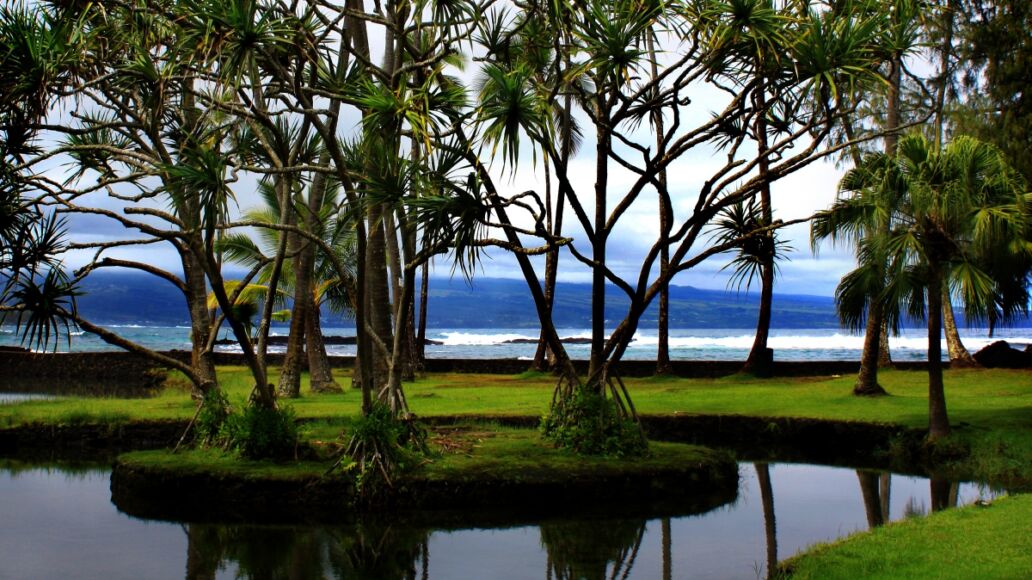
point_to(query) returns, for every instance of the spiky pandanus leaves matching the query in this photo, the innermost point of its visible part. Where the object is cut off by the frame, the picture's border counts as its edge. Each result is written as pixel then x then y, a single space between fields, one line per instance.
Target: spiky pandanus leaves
pixel 34 288
pixel 508 105
pixel 743 224
pixel 45 308
pixel 39 55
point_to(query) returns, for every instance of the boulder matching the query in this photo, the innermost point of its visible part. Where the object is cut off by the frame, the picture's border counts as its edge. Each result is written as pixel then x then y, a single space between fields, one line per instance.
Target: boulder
pixel 1001 355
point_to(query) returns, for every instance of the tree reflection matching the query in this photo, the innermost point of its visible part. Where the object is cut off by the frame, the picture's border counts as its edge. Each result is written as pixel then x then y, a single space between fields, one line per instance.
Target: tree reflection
pixel 591 550
pixel 770 526
pixel 944 493
pixel 376 552
pixel 667 556
pixel 874 506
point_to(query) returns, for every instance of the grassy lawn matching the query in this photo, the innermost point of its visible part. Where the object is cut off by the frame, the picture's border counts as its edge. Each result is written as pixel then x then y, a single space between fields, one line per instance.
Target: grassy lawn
pixel 971 542
pixel 992 409
pixel 995 398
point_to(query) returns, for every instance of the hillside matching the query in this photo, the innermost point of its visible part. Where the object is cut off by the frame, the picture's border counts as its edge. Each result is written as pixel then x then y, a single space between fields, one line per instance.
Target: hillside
pixel 130 298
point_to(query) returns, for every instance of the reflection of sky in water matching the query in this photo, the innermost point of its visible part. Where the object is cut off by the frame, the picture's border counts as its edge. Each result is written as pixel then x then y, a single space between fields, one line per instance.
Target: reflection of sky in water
pixel 59 525
pixel 19 397
pixel 812 504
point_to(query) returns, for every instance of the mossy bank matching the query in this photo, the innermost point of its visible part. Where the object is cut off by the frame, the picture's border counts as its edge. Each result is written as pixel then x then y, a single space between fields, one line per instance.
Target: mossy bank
pixel 493 474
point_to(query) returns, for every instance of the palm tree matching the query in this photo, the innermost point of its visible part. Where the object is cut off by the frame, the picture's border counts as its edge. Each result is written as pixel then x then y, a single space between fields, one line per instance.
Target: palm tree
pixel 745 226
pixel 946 211
pixel 868 195
pixel 749 40
pixel 326 288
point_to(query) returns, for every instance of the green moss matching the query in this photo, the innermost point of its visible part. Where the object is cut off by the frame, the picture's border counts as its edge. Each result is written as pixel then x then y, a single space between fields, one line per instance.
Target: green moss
pixel 972 542
pixel 466 452
pixel 477 451
pixel 222 463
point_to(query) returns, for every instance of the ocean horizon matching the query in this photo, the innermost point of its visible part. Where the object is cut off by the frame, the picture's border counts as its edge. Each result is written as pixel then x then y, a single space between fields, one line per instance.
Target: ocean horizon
pixel 704 344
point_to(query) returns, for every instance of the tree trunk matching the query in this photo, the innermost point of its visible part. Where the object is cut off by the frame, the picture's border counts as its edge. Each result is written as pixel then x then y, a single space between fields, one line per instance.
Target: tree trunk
pixel 290 373
pixel 390 226
pixel 424 302
pixel 867 380
pixel 598 249
pixel 286 217
pixel 320 372
pixel 410 360
pixel 541 354
pixel 378 296
pixel 959 356
pixel 945 60
pixel 201 359
pixel 938 421
pixel 665 223
pixel 760 360
pixel 395 397
pixel 884 356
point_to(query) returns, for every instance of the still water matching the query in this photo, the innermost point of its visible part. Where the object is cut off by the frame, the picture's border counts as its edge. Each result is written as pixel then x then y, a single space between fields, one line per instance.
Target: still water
pixel 60 523
pixel 6 398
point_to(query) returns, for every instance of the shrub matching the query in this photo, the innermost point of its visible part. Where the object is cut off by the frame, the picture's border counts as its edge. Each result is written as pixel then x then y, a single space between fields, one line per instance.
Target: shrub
pixel 590 424
pixel 259 433
pixel 380 445
pixel 212 416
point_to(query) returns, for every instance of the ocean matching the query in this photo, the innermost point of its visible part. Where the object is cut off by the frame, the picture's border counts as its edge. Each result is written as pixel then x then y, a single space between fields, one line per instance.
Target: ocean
pixel 685 343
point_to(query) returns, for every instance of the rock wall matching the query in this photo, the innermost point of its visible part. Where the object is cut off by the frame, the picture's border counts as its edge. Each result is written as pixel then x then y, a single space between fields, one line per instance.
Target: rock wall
pixel 90 373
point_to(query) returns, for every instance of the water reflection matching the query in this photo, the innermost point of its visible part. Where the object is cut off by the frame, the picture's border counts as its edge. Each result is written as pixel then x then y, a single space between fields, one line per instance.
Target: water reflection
pixel 359 551
pixel 62 525
pixel 770 526
pixel 8 398
pixel 591 550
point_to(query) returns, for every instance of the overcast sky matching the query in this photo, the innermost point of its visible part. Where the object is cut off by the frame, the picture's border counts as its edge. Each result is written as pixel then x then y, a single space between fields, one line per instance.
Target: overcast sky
pixel 796 196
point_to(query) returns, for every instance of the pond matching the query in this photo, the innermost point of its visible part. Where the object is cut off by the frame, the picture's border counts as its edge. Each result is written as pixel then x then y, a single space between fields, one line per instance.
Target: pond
pixel 60 523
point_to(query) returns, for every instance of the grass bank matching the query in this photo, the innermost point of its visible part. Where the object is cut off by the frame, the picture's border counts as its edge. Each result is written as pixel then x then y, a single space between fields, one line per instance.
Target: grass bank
pixel 991 409
pixel 509 474
pixel 972 542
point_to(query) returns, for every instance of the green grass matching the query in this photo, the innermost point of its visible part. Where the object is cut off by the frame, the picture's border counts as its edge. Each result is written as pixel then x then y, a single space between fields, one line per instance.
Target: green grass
pixel 971 542
pixel 507 453
pixel 218 462
pixel 462 452
pixel 991 398
pixel 992 409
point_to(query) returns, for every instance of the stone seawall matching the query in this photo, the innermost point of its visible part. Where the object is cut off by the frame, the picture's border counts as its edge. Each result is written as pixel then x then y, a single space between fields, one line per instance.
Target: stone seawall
pixel 94 373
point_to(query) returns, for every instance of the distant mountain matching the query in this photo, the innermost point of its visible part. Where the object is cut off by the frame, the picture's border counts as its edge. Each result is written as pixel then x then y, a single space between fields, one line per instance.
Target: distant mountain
pixel 133 298
pixel 499 303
